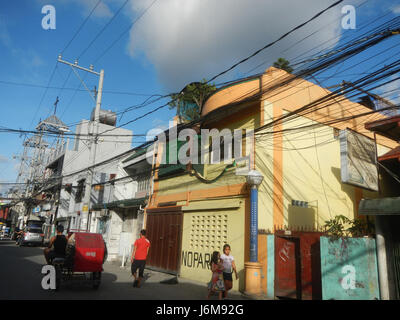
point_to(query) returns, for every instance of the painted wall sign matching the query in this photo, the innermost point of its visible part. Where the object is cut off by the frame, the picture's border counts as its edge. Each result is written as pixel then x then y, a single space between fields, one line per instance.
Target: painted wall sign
pixel 358 160
pixel 196 259
pixel 284 252
pixel 349 269
pixel 349 280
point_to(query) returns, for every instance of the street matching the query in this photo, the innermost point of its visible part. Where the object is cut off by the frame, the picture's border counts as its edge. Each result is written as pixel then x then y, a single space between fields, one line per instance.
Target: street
pixel 20 278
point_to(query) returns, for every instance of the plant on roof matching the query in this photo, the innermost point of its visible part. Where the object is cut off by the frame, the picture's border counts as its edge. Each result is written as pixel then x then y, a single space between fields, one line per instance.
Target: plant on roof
pixel 341 226
pixel 189 101
pixel 283 64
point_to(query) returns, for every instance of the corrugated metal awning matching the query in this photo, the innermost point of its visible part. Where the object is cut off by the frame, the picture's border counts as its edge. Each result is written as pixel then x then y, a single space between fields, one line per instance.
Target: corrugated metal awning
pixel 126 203
pixel 379 207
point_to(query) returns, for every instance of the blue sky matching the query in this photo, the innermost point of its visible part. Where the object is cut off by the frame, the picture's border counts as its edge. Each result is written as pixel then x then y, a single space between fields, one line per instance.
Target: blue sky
pixel 174 43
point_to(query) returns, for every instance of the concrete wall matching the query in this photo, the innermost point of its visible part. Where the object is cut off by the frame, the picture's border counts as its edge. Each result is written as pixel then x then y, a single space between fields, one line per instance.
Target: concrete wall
pixel 349 269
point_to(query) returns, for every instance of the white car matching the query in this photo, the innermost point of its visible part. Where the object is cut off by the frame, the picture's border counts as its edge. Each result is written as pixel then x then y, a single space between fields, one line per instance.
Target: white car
pixel 32 236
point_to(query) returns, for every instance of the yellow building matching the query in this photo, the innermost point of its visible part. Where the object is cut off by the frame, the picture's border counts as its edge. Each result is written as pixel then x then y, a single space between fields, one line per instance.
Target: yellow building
pixel 196 209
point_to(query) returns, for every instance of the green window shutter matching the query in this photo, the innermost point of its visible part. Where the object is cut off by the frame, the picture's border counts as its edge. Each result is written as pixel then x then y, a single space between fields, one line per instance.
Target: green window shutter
pixel 169 168
pixel 199 167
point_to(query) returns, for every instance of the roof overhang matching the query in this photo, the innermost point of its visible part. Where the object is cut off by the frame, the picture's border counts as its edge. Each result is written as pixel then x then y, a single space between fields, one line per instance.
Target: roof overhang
pixel 391 155
pixel 121 204
pixel 380 207
pixel 389 128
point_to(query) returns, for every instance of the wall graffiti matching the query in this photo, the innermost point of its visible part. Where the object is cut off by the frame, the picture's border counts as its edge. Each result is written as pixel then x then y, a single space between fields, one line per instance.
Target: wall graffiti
pixel 196 259
pixel 349 280
pixel 284 252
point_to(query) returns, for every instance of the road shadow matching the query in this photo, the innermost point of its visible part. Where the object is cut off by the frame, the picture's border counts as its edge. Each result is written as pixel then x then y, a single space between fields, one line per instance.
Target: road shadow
pixel 21 278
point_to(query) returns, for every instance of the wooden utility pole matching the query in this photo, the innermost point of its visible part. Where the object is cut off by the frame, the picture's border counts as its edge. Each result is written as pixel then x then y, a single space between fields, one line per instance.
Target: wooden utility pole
pixel 93 132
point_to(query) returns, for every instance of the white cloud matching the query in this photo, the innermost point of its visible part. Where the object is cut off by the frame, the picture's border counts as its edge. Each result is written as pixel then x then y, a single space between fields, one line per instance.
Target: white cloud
pixel 396 9
pixel 190 40
pixel 101 11
pixel 3 159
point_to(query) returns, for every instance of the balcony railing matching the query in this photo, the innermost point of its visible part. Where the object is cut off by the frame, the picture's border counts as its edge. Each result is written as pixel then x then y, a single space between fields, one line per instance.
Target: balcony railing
pixel 143 186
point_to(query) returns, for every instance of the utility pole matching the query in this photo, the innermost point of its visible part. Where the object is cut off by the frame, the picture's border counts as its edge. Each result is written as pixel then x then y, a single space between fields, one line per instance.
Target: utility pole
pixel 93 132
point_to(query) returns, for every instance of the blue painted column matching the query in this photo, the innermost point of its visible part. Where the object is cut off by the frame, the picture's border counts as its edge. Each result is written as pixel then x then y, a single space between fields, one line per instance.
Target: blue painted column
pixel 253 224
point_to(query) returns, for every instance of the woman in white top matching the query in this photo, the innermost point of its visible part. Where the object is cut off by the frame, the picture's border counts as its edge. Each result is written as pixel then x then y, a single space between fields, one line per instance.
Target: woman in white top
pixel 229 265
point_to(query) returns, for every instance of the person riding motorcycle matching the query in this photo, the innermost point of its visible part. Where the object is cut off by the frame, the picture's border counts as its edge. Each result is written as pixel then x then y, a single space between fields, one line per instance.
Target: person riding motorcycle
pixel 18 233
pixel 57 246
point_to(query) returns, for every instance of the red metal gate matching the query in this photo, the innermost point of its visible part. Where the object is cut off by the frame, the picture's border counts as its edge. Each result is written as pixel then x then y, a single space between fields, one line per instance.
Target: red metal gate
pixel 287 271
pixel 164 233
pixel 298 265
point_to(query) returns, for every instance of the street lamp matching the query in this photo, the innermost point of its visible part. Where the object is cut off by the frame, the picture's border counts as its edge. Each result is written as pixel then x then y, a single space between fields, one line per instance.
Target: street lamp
pixel 254 179
pixel 253 267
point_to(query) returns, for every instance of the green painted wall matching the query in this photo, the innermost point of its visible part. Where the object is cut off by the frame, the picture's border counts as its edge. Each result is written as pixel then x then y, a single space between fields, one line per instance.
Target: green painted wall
pixel 349 269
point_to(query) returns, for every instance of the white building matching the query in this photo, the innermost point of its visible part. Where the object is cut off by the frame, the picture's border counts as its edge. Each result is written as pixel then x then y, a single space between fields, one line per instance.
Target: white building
pixel 70 162
pixel 122 218
pixel 116 209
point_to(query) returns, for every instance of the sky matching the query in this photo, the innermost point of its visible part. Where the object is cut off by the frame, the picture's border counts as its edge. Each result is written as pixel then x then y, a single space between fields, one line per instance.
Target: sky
pixel 170 44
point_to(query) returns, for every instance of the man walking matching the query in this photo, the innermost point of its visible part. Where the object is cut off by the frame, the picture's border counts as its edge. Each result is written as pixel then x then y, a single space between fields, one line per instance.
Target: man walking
pixel 139 255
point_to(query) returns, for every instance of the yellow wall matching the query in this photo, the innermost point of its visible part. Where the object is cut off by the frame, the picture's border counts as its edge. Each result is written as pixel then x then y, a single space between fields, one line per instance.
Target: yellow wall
pixel 186 183
pixel 309 161
pixel 301 165
pixel 205 231
pixel 200 202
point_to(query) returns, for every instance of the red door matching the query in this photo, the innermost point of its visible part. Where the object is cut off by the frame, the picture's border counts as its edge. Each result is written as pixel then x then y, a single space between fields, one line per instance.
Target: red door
pixel 287 267
pixel 164 233
pixel 310 266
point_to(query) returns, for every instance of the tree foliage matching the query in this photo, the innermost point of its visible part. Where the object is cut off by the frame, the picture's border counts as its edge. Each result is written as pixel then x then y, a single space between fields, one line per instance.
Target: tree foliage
pixel 283 64
pixel 189 101
pixel 341 226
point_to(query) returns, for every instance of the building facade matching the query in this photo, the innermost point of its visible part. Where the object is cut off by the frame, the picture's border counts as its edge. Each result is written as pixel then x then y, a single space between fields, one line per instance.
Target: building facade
pixel 196 209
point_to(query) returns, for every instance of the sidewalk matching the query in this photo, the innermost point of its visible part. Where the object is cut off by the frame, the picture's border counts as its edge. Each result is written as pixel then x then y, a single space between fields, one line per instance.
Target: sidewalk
pixel 162 286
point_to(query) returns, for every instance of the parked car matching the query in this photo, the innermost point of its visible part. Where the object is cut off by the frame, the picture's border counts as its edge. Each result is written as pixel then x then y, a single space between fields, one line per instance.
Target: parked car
pixel 32 235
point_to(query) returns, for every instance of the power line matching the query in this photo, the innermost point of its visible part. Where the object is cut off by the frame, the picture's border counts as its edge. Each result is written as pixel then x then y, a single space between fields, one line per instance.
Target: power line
pixel 326 64
pixel 102 30
pixel 322 65
pixel 81 90
pixel 124 32
pixel 272 43
pixel 44 94
pixel 81 26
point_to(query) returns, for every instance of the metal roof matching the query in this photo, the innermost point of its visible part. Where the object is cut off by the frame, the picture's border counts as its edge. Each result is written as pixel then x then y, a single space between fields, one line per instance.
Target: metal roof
pixel 53 123
pixel 378 207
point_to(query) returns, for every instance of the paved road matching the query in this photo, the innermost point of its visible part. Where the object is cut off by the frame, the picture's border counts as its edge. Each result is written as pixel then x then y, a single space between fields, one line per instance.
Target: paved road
pixel 20 278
